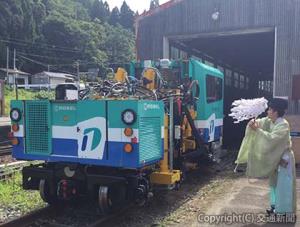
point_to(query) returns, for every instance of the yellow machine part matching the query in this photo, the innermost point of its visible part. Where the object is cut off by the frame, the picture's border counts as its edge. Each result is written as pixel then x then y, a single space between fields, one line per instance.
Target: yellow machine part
pixel 164 163
pixel 188 144
pixel 150 75
pixel 164 176
pixel 121 75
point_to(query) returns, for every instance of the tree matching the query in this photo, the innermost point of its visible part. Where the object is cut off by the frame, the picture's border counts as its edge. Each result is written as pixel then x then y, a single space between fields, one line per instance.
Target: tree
pixel 59 32
pixel 154 4
pixel 114 16
pixel 126 16
pixel 119 45
pixel 107 10
pixel 100 10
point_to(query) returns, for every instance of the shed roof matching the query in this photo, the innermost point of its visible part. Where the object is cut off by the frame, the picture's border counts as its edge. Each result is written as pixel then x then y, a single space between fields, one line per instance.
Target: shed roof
pixel 55 75
pixel 14 71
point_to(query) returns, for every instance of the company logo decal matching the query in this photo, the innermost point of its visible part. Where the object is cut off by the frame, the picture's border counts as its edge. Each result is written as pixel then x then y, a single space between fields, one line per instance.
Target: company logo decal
pixel 149 106
pixel 91 134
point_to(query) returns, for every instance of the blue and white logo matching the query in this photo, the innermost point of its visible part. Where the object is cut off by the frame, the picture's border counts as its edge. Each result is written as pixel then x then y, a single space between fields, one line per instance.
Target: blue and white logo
pixel 91 141
pixel 93 135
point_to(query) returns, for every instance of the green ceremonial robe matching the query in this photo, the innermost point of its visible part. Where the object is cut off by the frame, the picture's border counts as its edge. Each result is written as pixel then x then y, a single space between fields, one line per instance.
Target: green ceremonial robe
pixel 262 150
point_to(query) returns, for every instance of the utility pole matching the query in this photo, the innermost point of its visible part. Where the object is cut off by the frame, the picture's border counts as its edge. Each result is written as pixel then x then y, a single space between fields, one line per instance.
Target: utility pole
pixel 14 69
pixel 14 59
pixel 48 68
pixel 78 79
pixel 15 75
pixel 7 62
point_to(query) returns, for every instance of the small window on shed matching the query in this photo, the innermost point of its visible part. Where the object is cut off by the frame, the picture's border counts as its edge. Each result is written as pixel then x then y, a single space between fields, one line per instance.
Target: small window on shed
pixel 228 77
pixel 242 81
pixel 236 80
pixel 214 89
pixel 247 83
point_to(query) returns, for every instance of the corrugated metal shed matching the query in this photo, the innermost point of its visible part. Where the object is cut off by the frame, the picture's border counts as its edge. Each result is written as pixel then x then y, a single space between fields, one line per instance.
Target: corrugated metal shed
pixel 192 18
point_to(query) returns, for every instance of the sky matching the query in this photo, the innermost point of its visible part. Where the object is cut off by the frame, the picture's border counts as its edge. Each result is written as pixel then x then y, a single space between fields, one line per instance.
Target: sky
pixel 135 5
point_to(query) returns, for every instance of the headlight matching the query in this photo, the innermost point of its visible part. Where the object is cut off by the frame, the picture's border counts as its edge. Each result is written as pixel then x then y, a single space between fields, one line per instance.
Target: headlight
pixel 128 117
pixel 15 114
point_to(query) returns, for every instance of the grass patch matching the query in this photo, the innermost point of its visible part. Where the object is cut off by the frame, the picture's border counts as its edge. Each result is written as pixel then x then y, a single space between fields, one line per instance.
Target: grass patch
pixel 23 94
pixel 14 199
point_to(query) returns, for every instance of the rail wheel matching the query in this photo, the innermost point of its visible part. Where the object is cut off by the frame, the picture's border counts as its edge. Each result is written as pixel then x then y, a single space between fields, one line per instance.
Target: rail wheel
pixel 111 198
pixel 45 192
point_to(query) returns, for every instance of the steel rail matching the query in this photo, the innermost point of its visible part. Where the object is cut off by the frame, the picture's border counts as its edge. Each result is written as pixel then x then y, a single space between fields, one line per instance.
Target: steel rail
pixel 29 218
pixel 42 216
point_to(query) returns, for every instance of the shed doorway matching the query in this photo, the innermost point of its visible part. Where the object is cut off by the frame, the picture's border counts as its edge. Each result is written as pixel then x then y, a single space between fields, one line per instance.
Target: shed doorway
pixel 247 58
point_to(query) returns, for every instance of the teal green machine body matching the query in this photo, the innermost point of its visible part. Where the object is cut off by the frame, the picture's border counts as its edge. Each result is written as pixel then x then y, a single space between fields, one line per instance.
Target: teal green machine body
pixel 209 106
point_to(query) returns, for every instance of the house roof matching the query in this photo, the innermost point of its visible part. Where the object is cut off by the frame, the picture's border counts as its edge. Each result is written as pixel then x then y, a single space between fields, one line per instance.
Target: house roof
pixel 55 75
pixel 14 71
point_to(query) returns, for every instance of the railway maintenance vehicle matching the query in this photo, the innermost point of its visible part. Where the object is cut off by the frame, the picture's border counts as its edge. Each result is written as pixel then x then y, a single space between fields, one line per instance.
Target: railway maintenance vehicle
pixel 118 140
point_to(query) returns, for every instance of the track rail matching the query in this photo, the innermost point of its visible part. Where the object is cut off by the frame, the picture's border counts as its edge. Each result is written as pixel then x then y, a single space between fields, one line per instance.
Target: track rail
pixel 110 217
pixel 5 148
pixel 7 170
pixel 29 218
pixel 60 217
pixel 5 151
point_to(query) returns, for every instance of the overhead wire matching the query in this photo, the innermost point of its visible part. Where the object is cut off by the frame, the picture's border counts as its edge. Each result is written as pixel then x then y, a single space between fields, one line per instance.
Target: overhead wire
pixel 44 64
pixel 40 56
pixel 82 62
pixel 23 55
pixel 40 43
pixel 42 48
pixel 33 61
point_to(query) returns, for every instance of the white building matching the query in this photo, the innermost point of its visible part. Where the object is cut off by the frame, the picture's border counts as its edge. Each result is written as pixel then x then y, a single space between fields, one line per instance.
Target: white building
pixel 52 78
pixel 13 76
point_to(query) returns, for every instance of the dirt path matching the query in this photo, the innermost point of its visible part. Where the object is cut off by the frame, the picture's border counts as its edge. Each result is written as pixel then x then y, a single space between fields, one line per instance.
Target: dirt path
pixel 246 198
pixel 207 193
pixel 169 208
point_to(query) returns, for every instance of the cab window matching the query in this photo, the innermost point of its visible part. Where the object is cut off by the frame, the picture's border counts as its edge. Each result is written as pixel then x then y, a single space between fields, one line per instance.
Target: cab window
pixel 214 91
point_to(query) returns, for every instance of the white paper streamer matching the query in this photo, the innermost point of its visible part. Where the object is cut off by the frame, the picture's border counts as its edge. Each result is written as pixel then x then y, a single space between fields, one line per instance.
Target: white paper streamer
pixel 245 109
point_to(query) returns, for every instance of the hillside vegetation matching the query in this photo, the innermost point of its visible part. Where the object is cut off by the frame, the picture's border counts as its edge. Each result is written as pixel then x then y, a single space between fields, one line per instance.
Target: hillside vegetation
pixel 59 33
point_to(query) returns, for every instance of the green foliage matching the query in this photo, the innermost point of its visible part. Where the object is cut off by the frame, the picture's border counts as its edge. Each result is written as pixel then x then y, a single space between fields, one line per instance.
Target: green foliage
pixel 100 10
pixel 119 39
pixel 10 94
pixel 126 16
pixel 60 32
pixel 13 197
pixel 45 95
pixel 23 94
pixel 115 16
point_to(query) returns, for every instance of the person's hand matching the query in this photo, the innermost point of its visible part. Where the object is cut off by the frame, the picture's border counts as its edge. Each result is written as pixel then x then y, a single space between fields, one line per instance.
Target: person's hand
pixel 253 124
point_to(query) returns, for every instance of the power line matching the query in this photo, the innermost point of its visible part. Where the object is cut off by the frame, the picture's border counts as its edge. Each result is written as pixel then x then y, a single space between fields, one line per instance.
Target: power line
pixel 41 43
pixel 82 62
pixel 43 64
pixel 63 71
pixel 43 48
pixel 34 61
pixel 53 65
pixel 41 56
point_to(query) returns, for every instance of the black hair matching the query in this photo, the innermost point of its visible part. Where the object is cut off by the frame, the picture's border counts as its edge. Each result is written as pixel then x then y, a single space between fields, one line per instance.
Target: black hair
pixel 279 105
